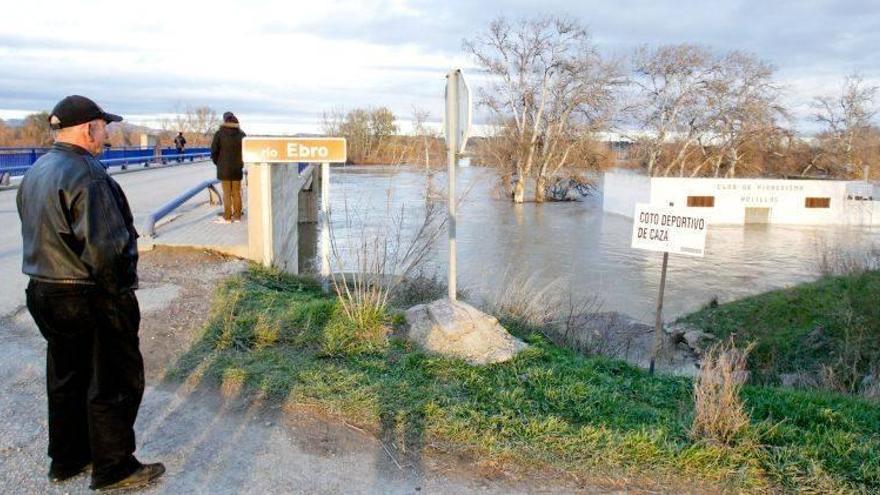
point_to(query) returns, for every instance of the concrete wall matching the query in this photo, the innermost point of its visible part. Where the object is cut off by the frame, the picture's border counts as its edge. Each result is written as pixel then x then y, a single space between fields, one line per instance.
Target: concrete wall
pixel 273 209
pixel 621 190
pixel 782 201
pixel 785 199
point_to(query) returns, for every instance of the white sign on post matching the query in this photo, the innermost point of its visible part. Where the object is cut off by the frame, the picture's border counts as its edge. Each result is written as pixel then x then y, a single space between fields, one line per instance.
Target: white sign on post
pixel 669 230
pixel 458 118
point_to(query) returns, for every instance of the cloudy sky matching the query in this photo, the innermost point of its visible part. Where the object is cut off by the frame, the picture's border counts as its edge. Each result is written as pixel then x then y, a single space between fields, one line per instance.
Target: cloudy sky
pixel 280 64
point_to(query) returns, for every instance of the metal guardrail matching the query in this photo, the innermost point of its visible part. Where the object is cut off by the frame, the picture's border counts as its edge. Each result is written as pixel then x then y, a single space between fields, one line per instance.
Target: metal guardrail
pixel 16 161
pixel 146 161
pixel 164 210
pixel 6 173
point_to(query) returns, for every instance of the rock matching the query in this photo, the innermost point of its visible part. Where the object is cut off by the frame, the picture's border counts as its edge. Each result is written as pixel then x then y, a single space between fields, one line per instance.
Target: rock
pixel 677 330
pixel 457 329
pixel 698 340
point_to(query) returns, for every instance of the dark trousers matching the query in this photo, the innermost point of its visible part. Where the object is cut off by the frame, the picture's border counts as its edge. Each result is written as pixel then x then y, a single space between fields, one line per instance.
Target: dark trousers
pixel 94 376
pixel 231 199
pixel 179 152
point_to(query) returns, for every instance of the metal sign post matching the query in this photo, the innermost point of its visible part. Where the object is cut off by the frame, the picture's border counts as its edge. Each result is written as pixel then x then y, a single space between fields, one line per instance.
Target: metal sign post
pixel 668 230
pixel 658 322
pixel 458 123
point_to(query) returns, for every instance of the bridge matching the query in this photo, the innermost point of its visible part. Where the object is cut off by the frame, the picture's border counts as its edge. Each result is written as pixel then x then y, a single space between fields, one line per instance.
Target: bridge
pixel 190 223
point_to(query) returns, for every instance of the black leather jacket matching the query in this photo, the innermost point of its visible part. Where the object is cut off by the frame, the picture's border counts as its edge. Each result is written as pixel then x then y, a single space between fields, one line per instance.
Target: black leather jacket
pixel 76 225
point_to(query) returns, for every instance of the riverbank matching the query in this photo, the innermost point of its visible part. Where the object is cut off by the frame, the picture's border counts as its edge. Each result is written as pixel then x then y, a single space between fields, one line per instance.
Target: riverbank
pixel 220 443
pixel 598 421
pixel 823 334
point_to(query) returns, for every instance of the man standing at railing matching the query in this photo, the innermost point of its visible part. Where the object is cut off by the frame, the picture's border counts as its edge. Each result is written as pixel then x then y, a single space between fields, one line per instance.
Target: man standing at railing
pixel 80 250
pixel 179 143
pixel 226 155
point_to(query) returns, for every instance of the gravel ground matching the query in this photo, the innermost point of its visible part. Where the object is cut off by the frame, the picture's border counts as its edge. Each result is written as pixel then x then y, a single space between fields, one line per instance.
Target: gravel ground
pixel 213 443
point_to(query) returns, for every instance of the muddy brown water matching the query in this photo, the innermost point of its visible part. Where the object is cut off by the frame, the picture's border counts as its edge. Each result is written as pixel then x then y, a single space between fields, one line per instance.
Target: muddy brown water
pixel 577 246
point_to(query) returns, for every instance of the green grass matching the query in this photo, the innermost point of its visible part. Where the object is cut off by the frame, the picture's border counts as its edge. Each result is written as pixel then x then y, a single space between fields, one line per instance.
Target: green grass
pixel 549 407
pixel 833 322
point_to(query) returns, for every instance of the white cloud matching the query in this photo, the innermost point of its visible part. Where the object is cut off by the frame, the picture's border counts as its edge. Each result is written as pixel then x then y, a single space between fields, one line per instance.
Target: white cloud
pixel 283 63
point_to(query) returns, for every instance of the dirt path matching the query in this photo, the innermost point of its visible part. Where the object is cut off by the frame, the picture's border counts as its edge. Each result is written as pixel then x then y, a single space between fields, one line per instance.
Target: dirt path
pixel 212 444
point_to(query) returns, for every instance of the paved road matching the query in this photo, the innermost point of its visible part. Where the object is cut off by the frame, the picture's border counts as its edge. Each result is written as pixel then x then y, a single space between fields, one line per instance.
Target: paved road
pixel 146 191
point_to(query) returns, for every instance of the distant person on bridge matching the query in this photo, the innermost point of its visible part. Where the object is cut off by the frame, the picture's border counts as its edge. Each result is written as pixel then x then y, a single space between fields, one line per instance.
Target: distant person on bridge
pixel 79 248
pixel 179 143
pixel 226 155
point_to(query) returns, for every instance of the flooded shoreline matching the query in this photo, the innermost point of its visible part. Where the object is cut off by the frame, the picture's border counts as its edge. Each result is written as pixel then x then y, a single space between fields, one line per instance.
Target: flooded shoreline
pixel 577 247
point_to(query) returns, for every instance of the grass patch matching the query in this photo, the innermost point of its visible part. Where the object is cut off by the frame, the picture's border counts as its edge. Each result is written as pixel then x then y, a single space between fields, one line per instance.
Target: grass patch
pixel 548 407
pixel 829 328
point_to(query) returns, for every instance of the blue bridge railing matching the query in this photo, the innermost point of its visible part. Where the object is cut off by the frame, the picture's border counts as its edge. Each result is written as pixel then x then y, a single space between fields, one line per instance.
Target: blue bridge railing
pixel 16 161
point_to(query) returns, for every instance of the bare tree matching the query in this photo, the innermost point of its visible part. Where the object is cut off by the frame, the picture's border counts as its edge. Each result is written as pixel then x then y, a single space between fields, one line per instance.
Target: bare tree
pixel 422 133
pixel 549 90
pixel 371 134
pixel 498 149
pixel 203 120
pixel 671 82
pixel 743 102
pixel 847 119
pixel 35 130
pixel 6 134
pixel 196 123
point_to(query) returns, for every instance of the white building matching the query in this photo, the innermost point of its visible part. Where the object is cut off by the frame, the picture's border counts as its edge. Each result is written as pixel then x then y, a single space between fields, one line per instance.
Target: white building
pixel 741 201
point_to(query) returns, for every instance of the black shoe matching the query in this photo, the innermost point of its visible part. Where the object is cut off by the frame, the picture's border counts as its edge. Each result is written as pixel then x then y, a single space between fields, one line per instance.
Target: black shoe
pixel 61 474
pixel 140 478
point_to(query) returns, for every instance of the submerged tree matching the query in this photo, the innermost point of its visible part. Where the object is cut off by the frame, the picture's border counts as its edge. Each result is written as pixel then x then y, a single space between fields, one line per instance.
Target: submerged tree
pixel 549 92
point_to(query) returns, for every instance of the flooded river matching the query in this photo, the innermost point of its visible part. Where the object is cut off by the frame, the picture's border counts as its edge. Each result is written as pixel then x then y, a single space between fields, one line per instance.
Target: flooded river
pixel 577 246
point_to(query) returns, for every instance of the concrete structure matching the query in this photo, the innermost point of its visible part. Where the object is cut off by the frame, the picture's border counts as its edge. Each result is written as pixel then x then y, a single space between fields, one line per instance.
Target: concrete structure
pixel 742 201
pixel 275 196
pixel 273 215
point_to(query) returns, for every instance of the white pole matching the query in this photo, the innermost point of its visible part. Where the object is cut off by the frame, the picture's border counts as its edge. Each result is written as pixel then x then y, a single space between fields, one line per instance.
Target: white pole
pixel 451 145
pixel 325 220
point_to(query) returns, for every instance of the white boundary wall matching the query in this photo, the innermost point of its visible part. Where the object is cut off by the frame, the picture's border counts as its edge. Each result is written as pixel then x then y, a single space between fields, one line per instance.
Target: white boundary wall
pixel 621 190
pixel 782 201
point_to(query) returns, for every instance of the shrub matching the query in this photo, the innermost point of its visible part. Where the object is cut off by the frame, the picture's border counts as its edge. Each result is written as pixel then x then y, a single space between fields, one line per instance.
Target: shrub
pixel 719 413
pixel 366 333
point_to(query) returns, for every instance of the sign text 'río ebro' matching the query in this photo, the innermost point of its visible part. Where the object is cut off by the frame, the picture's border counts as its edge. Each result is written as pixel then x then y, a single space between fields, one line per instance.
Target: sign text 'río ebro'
pixel 290 149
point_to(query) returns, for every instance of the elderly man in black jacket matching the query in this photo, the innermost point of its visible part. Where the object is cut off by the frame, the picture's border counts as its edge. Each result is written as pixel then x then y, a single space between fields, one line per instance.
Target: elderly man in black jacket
pixel 80 252
pixel 226 155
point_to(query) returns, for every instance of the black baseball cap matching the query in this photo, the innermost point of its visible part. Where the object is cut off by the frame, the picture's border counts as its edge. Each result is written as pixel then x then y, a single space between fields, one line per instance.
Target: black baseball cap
pixel 75 110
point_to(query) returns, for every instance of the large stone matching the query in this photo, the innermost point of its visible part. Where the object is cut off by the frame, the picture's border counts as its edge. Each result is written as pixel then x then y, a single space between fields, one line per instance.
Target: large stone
pixel 699 341
pixel 677 330
pixel 457 329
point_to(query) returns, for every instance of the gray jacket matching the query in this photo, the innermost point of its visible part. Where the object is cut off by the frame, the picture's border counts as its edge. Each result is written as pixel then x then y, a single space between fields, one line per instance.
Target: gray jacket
pixel 76 225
